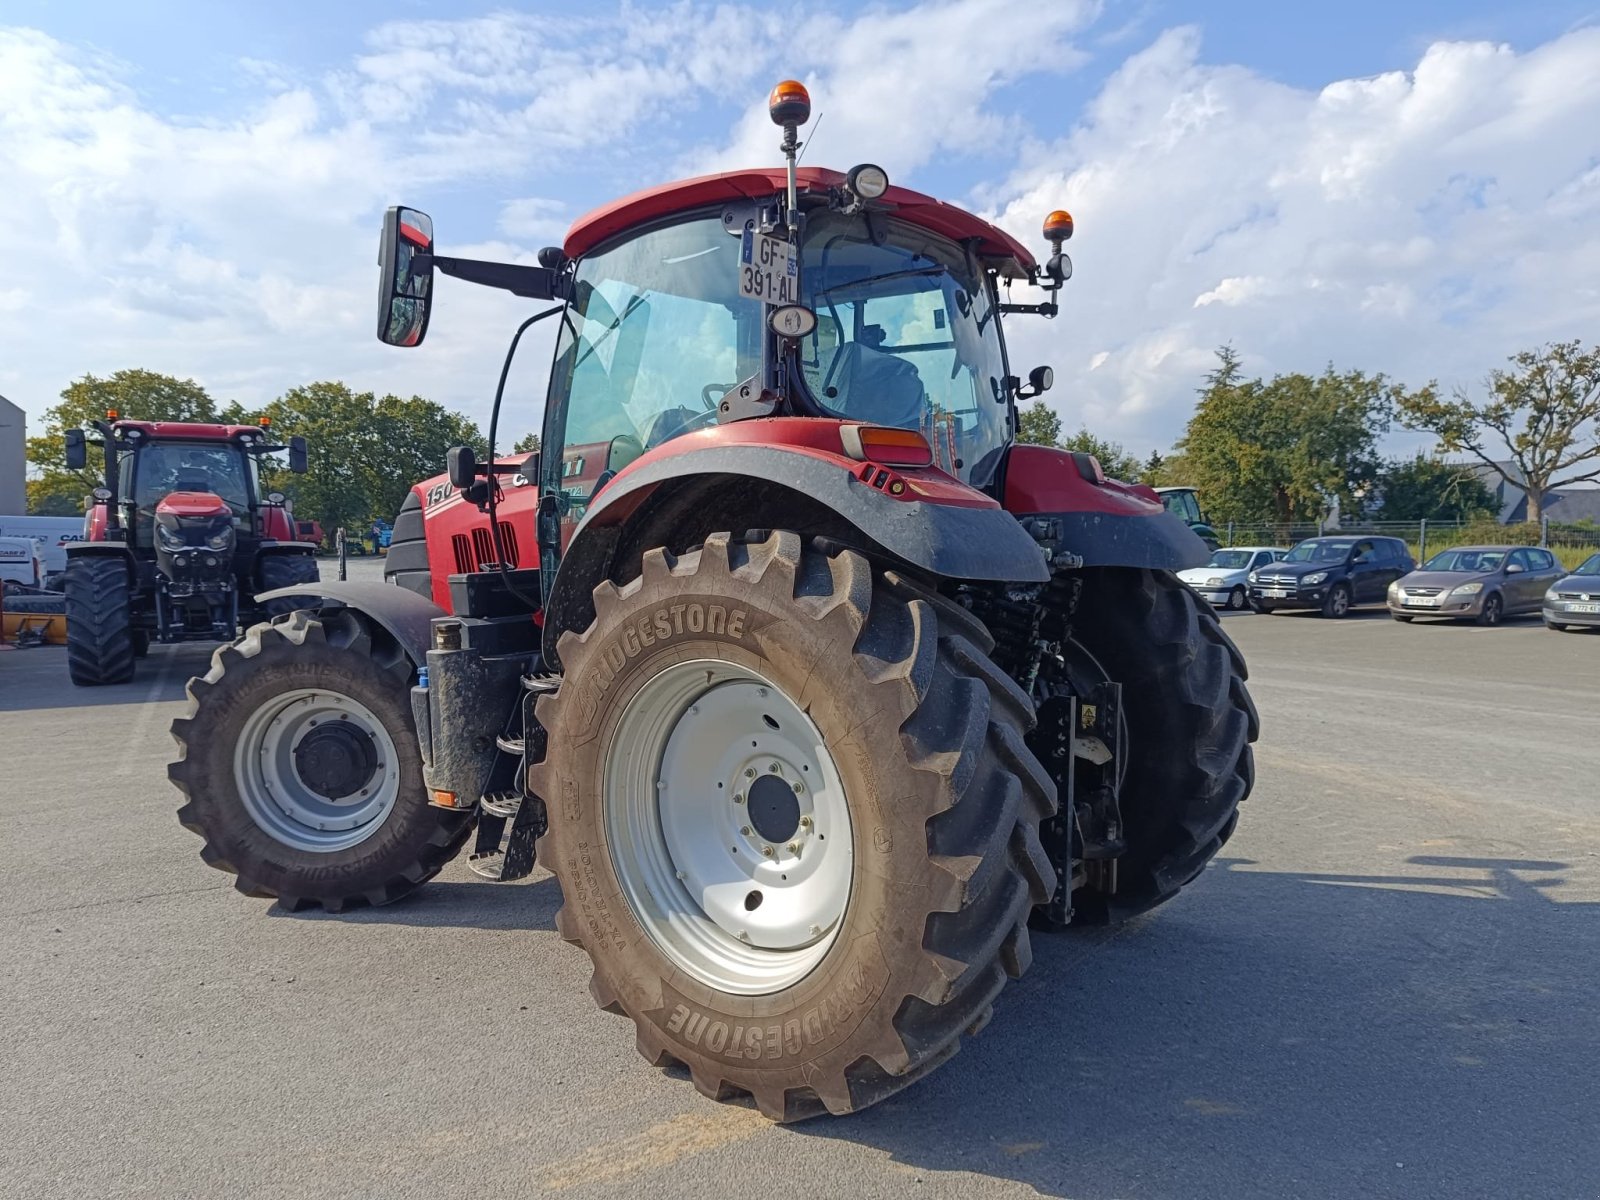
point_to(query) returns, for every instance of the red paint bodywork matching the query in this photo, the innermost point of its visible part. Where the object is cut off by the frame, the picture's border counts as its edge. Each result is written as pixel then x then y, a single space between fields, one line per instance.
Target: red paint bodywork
pixel 619 216
pixel 185 431
pixel 193 504
pixel 1041 479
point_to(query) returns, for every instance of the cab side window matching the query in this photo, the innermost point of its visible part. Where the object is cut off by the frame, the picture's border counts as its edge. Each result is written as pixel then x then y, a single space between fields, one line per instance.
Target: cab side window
pixel 1543 560
pixel 1522 558
pixel 1264 559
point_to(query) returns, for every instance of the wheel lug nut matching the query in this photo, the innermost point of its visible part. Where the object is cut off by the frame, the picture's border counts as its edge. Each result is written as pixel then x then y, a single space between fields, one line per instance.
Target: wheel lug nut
pixel 805 822
pixel 767 852
pixel 794 847
pixel 745 829
pixel 744 935
pixel 749 772
pixel 738 797
pixel 799 787
pixel 776 769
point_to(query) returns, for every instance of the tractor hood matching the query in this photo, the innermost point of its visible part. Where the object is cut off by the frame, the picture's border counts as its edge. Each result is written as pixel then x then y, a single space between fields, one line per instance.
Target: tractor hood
pixel 193 504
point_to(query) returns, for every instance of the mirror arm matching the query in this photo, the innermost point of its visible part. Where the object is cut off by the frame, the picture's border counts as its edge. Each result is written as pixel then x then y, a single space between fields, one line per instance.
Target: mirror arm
pixel 536 283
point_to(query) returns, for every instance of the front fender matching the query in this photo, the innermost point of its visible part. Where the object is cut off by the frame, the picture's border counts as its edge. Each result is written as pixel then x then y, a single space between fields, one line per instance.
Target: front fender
pixel 404 615
pixel 1104 522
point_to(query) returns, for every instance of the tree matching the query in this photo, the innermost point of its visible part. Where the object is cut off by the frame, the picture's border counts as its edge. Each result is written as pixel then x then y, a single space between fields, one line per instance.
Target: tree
pixel 364 452
pixel 1544 412
pixel 1282 450
pixel 528 443
pixel 1425 489
pixel 134 394
pixel 1038 425
pixel 1114 461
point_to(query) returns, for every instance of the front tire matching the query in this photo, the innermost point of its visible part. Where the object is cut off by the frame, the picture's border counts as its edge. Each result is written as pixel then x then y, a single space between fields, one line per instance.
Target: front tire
pixel 884 690
pixel 1190 722
pixel 288 570
pixel 100 643
pixel 1336 605
pixel 1238 600
pixel 299 761
pixel 1494 610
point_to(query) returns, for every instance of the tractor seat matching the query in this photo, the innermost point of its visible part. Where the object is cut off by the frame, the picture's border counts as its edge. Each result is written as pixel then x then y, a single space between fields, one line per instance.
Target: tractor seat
pixel 878 387
pixel 193 484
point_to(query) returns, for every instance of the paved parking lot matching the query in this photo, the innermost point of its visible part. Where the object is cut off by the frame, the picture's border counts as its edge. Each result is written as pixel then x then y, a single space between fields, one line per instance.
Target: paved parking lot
pixel 1387 988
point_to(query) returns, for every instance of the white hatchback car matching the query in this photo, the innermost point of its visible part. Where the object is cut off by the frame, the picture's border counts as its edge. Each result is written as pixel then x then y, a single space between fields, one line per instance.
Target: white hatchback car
pixel 1222 580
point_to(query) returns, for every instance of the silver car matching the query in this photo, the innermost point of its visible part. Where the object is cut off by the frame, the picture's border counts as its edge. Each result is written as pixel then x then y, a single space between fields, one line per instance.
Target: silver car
pixel 1574 600
pixel 1223 580
pixel 1476 583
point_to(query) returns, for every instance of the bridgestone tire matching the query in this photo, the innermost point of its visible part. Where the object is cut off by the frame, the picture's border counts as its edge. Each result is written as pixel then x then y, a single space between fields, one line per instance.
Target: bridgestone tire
pixel 100 646
pixel 287 570
pixel 1190 723
pixel 945 804
pixel 334 653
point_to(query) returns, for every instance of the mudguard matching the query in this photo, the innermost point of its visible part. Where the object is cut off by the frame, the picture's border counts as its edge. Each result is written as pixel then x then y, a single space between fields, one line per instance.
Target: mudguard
pixel 934 523
pixel 404 615
pixel 1103 521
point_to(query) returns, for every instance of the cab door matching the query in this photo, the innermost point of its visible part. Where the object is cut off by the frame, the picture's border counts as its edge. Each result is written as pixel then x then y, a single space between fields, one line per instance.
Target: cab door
pixel 1366 574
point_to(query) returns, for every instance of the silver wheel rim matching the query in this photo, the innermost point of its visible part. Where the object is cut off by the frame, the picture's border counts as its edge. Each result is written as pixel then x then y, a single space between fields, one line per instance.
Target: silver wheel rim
pixel 282 803
pixel 1236 599
pixel 728 827
pixel 1341 602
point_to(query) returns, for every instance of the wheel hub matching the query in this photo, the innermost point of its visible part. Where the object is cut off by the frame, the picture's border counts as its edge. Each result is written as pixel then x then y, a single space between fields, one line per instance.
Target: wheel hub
pixel 729 828
pixel 335 759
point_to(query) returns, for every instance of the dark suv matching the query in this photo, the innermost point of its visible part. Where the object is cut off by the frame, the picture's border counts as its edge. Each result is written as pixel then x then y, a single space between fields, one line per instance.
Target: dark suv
pixel 1332 574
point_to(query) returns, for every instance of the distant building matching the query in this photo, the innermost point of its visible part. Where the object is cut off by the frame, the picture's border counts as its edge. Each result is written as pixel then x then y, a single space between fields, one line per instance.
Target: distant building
pixel 1562 506
pixel 13 458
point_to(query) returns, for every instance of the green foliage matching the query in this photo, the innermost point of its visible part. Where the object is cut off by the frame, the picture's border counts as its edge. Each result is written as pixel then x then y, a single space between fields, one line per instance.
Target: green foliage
pixel 133 394
pixel 1542 416
pixel 1280 450
pixel 1424 489
pixel 1114 461
pixel 364 451
pixel 528 443
pixel 1038 425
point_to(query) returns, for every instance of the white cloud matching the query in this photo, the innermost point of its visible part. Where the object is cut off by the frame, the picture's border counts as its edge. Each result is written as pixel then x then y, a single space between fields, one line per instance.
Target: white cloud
pixel 1424 223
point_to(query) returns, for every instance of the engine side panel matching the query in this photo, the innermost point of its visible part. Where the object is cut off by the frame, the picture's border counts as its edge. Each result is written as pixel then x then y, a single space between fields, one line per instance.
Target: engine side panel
pixel 438 534
pixel 1106 522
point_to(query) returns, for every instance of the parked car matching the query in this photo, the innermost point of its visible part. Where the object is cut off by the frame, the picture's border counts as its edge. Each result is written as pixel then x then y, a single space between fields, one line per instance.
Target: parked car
pixel 1476 583
pixel 1331 574
pixel 1224 580
pixel 1574 599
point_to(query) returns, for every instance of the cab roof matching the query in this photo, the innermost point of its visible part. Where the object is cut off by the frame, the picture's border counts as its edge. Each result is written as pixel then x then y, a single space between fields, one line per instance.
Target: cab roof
pixel 189 431
pixel 957 224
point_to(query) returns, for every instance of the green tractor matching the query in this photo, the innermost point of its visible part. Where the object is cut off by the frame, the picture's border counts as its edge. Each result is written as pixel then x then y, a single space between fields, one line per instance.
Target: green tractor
pixel 1184 503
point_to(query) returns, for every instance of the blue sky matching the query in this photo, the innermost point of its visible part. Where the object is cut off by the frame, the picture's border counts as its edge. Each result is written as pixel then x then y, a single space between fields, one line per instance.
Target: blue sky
pixel 1409 187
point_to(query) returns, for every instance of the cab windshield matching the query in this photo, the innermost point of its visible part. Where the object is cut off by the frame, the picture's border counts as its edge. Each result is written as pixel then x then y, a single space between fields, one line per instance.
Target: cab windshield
pixel 654 336
pixel 907 335
pixel 1589 566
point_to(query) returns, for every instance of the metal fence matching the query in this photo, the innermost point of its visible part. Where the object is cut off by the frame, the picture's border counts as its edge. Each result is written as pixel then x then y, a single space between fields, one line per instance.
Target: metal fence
pixel 1574 542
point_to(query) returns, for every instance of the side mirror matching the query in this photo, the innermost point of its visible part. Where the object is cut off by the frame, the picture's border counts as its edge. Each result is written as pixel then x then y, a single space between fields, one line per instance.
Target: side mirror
pixel 77 450
pixel 297 455
pixel 1515 568
pixel 1361 560
pixel 462 465
pixel 405 277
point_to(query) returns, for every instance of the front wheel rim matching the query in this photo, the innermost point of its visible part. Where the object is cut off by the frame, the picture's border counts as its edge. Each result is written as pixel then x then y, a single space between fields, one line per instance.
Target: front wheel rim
pixel 316 770
pixel 1341 602
pixel 728 827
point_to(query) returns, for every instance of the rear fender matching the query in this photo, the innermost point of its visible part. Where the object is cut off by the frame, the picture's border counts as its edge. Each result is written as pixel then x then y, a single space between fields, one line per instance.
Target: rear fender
pixel 1103 521
pixel 785 473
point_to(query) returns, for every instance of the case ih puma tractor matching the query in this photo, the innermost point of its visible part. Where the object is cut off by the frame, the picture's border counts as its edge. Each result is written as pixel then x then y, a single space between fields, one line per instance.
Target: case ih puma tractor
pixel 813 689
pixel 177 544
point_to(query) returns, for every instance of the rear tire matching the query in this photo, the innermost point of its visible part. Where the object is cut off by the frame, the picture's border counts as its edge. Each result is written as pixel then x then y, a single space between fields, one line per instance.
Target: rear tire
pixel 267 829
pixel 100 644
pixel 944 803
pixel 288 570
pixel 1190 722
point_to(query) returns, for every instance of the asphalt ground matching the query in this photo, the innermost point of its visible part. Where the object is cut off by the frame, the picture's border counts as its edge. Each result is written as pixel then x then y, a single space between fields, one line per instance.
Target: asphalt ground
pixel 1386 987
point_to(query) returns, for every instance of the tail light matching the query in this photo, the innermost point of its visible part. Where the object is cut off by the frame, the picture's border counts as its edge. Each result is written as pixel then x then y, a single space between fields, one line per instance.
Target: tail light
pixel 887 445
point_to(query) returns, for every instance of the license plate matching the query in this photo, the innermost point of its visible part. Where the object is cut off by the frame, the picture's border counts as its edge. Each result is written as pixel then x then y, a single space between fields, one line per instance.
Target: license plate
pixel 1584 608
pixel 1425 601
pixel 1276 593
pixel 769 269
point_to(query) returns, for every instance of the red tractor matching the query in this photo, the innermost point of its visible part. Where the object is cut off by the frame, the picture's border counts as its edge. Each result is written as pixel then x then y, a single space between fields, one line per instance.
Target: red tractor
pixel 814 690
pixel 177 543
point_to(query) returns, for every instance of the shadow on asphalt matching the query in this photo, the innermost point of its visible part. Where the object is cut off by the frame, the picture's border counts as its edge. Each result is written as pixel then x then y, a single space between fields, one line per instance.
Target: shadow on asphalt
pixel 1293 1035
pixel 37 678
pixel 465 905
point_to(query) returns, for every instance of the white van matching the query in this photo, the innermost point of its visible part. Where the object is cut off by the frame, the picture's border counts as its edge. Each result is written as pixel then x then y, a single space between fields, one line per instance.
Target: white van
pixel 21 561
pixel 52 533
